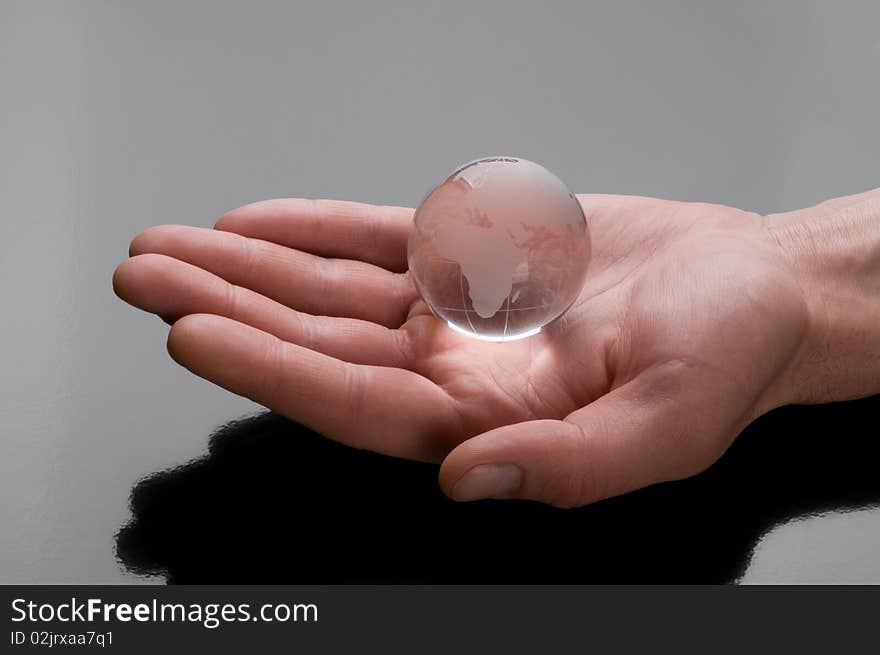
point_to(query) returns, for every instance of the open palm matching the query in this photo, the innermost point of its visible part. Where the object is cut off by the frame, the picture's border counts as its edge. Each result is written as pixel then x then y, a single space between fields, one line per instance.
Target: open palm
pixel 685 325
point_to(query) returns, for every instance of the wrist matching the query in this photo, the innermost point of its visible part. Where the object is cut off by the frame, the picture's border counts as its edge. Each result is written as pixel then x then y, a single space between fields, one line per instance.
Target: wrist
pixel 832 250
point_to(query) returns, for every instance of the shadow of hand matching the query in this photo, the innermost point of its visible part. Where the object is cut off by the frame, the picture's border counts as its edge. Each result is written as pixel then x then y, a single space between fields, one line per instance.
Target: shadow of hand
pixel 273 502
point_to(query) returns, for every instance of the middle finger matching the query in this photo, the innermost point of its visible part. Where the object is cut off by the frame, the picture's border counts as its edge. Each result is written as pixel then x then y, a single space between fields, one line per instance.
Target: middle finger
pixel 306 282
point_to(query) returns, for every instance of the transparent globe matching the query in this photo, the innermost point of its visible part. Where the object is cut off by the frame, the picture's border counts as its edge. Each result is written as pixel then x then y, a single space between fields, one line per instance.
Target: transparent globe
pixel 499 249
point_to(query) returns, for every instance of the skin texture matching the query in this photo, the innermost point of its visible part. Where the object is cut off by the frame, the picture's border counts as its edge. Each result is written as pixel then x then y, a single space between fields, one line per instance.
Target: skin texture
pixel 695 319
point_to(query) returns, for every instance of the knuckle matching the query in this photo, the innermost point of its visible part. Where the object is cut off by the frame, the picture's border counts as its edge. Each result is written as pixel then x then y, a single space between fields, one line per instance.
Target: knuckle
pixel 402 347
pixel 355 391
pixel 304 332
pixel 272 381
pixel 404 294
pixel 579 480
pixel 233 301
pixel 252 252
pixel 321 273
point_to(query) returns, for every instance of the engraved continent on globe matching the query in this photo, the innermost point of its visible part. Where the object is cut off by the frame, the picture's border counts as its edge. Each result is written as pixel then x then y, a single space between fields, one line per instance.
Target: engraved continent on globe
pixel 499 249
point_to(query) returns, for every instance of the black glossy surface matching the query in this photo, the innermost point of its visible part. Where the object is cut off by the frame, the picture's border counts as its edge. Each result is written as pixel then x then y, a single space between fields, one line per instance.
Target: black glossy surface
pixel 273 502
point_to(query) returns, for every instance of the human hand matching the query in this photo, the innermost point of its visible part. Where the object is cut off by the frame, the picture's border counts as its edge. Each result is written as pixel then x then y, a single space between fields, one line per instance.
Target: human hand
pixel 691 324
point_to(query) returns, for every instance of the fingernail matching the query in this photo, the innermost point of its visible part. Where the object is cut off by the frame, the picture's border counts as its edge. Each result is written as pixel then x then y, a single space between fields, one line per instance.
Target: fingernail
pixel 488 481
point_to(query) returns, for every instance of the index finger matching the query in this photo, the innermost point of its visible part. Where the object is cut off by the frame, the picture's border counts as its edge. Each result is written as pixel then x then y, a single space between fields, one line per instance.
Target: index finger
pixel 330 228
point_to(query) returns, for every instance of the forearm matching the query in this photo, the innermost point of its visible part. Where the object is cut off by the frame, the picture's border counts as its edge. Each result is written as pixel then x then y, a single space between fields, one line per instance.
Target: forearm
pixel 833 250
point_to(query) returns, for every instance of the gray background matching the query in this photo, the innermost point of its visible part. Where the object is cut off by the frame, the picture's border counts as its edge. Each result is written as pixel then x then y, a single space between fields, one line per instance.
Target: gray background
pixel 118 116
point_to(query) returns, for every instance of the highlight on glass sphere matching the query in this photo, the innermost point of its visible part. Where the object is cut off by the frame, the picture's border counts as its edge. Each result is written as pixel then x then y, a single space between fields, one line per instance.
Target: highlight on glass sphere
pixel 499 249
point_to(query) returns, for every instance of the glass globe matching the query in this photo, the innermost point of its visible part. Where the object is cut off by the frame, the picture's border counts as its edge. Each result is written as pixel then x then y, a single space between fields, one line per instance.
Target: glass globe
pixel 499 249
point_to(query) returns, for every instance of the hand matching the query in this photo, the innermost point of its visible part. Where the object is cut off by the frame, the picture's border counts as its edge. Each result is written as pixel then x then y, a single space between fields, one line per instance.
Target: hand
pixel 686 330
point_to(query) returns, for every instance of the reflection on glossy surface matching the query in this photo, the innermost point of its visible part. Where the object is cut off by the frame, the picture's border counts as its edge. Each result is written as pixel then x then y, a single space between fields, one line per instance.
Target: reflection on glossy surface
pixel 274 502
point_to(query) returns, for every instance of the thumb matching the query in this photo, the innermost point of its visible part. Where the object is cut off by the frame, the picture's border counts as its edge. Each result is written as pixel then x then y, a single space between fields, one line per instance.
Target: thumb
pixel 627 439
